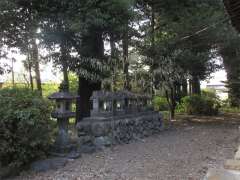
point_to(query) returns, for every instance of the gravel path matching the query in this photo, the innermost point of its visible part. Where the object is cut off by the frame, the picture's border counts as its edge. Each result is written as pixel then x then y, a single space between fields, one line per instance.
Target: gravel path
pixel 183 153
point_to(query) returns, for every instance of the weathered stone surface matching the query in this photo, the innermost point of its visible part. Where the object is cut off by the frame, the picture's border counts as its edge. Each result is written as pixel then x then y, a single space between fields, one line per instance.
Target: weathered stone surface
pixel 217 174
pixel 87 148
pixel 84 128
pixel 102 141
pixel 74 155
pixel 132 119
pixel 84 139
pixel 121 129
pixel 232 164
pixel 100 129
pixel 48 164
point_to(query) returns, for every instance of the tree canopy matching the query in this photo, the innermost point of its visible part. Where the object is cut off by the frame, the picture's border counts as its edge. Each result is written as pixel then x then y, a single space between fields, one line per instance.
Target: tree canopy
pixel 162 44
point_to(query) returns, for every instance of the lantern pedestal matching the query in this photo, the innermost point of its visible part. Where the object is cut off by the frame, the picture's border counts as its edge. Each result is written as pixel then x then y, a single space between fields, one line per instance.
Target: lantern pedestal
pixel 62 143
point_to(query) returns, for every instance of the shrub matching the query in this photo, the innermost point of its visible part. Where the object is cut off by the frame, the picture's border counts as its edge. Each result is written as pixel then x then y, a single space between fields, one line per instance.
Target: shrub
pixel 160 103
pixel 201 105
pixel 227 109
pixel 49 88
pixel 210 93
pixel 180 108
pixel 24 127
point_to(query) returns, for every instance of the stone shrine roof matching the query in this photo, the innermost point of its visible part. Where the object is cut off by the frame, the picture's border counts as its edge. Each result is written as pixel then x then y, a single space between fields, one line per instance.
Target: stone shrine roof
pixel 119 95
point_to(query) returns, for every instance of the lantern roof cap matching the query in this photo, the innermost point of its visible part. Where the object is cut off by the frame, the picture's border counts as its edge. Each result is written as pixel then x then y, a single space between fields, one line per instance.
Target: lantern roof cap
pixel 106 95
pixel 63 96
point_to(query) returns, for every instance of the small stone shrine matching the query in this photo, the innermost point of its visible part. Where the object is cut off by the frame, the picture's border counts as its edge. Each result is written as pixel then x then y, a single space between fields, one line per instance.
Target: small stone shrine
pixel 116 118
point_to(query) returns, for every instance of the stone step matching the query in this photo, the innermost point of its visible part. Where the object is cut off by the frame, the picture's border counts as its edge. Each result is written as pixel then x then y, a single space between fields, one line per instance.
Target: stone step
pixel 232 164
pixel 222 174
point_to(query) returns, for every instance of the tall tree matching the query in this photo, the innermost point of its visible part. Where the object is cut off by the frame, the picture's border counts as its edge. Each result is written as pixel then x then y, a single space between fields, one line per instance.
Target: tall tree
pixel 229 51
pixel 178 22
pixel 98 19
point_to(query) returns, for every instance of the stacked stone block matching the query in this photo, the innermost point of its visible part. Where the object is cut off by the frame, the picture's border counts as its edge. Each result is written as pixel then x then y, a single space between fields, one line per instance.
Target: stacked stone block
pixel 133 120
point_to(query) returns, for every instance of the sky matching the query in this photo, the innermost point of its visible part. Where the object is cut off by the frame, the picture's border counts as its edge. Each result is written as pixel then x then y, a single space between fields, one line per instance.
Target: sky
pixel 48 73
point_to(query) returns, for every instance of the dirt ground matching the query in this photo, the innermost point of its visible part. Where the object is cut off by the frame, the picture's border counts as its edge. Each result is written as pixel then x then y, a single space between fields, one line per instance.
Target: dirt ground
pixel 184 152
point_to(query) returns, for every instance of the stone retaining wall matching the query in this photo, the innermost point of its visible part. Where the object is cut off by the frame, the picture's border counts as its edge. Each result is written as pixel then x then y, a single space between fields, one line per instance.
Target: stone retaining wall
pixel 105 131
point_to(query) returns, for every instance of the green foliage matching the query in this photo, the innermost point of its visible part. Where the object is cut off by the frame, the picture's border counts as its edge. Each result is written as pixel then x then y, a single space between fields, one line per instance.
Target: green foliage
pixel 210 93
pixel 49 88
pixel 180 108
pixel 227 107
pixel 165 115
pixel 201 105
pixel 230 109
pixel 25 126
pixel 73 82
pixel 160 103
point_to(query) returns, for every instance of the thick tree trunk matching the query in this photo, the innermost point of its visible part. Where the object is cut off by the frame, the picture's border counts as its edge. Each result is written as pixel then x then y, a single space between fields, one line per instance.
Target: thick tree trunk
pixel 171 99
pixel 85 91
pixel 29 66
pixel 64 62
pixel 233 78
pixel 92 46
pixel 35 60
pixel 113 61
pixel 196 86
pixel 65 77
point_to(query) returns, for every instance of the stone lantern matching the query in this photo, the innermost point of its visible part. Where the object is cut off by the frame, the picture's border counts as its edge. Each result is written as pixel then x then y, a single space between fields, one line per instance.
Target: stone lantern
pixel 62 113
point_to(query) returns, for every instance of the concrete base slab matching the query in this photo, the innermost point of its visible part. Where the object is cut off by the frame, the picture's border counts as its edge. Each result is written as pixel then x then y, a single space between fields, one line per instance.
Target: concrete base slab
pixel 218 174
pixel 232 164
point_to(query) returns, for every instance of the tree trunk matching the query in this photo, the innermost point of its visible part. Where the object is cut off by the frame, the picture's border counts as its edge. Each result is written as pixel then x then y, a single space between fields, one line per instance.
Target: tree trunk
pixel 190 87
pixel 85 91
pixel 178 92
pixel 92 46
pixel 153 49
pixel 30 77
pixel 64 62
pixel 171 102
pixel 35 61
pixel 196 87
pixel 29 63
pixel 184 88
pixel 113 62
pixel 13 75
pixel 125 60
pixel 233 77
